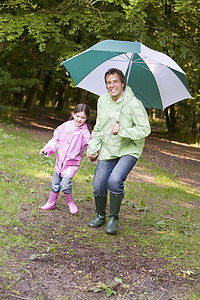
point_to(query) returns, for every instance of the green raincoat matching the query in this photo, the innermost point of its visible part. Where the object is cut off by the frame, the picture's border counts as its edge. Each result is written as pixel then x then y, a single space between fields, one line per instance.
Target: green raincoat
pixel 134 127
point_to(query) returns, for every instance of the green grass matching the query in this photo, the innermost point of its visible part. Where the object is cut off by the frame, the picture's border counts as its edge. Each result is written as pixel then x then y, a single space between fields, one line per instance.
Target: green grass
pixel 171 223
pixel 160 216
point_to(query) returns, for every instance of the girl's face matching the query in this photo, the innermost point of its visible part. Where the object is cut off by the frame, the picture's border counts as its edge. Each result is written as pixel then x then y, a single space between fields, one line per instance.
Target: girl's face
pixel 79 118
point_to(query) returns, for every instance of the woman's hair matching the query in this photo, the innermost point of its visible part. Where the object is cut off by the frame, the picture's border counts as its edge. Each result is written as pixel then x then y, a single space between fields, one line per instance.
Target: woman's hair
pixel 120 74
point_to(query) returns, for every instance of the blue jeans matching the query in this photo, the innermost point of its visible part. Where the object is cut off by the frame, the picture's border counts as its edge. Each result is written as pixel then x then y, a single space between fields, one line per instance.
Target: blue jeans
pixel 110 175
pixel 63 184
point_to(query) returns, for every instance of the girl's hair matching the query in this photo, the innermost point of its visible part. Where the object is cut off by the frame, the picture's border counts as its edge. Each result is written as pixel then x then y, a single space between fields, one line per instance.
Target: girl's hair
pixel 82 107
pixel 120 74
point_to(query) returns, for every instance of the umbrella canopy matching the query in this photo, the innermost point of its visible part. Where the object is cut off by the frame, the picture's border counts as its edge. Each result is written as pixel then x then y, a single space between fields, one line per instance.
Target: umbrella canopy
pixel 155 78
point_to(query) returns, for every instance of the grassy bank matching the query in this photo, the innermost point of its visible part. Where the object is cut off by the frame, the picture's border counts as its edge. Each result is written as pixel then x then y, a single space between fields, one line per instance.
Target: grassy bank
pixel 160 217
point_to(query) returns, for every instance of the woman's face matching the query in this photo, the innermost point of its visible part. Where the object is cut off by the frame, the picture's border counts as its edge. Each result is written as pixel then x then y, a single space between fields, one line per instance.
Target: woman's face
pixel 114 86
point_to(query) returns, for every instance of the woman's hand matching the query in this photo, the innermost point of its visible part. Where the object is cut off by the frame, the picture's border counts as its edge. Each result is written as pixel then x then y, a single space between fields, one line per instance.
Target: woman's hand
pixel 93 157
pixel 116 128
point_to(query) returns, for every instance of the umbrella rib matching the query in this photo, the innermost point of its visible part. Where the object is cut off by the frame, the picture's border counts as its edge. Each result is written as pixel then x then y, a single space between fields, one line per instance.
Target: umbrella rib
pixel 130 59
pixel 145 68
pixel 138 61
pixel 118 60
pixel 129 69
pixel 122 57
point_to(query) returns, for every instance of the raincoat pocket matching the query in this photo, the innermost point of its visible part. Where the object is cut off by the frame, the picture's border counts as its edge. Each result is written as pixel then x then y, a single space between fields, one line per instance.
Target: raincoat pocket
pixel 109 151
pixel 73 162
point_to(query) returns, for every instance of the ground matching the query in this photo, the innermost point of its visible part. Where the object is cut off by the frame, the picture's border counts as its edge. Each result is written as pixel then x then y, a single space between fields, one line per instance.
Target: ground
pixel 78 270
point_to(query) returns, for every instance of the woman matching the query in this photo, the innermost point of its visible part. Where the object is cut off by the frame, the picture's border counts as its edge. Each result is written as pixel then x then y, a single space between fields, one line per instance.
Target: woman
pixel 118 144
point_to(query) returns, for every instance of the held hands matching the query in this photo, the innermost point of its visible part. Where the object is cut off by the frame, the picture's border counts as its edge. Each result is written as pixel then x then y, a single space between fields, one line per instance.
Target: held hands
pixel 116 128
pixel 93 157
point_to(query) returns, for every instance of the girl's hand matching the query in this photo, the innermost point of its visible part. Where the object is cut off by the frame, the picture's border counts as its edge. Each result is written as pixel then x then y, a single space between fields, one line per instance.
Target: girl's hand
pixel 43 152
pixel 93 157
pixel 116 128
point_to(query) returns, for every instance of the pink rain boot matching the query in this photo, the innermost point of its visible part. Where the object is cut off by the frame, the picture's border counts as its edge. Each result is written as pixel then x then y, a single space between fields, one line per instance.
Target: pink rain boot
pixel 72 206
pixel 51 203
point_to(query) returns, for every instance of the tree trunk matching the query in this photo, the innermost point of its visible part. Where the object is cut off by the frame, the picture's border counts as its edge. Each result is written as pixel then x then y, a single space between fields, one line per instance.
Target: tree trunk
pixel 167 118
pixel 44 94
pixel 170 119
pixel 30 101
pixel 81 96
pixel 84 97
pixel 59 97
pixel 17 99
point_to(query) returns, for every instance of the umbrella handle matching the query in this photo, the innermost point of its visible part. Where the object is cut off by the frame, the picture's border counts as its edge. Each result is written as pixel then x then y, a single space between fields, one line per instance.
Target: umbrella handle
pixel 117 122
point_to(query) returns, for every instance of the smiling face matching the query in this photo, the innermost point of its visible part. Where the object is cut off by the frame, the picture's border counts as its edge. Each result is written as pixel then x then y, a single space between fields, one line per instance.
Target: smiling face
pixel 114 86
pixel 79 118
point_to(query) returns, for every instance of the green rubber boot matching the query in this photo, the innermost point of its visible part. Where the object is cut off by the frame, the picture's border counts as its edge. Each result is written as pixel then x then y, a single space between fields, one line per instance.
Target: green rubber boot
pixel 100 219
pixel 113 220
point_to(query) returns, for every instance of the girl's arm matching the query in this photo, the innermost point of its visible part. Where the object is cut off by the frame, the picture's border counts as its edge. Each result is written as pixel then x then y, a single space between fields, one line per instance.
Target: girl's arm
pixel 52 145
pixel 87 139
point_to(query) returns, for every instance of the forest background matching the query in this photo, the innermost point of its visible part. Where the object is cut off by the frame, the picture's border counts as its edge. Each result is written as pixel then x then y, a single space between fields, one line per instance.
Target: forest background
pixel 36 36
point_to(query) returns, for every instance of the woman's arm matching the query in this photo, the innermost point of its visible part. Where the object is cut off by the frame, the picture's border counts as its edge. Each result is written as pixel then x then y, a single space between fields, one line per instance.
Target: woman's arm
pixel 140 123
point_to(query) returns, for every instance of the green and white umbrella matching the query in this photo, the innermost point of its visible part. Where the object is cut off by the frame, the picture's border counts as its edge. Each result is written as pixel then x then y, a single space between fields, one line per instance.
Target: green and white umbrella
pixel 155 78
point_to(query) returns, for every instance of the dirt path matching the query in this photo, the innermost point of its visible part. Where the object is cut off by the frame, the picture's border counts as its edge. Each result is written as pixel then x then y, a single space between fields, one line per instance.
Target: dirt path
pixel 180 159
pixel 79 267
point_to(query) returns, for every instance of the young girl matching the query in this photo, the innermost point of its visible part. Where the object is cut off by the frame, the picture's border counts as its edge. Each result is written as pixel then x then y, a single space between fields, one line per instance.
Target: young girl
pixel 69 140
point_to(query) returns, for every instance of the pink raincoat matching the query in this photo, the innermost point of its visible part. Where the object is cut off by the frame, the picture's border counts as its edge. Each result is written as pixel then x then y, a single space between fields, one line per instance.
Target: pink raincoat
pixel 69 142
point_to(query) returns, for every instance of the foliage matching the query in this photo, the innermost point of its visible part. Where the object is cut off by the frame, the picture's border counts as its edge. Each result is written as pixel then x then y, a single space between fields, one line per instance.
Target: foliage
pixel 36 36
pixel 172 28
pixel 7 112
